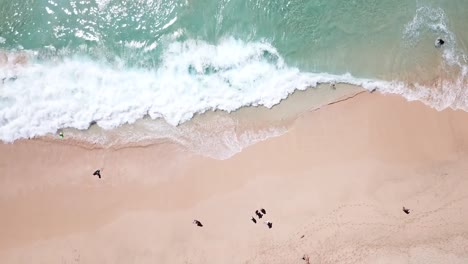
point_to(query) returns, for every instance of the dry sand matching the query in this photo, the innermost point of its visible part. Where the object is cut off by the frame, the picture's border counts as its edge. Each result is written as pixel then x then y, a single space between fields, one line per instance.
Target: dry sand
pixel 333 186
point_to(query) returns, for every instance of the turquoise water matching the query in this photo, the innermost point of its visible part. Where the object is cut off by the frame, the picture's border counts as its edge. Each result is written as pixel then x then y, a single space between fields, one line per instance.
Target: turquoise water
pixel 114 62
pixel 319 35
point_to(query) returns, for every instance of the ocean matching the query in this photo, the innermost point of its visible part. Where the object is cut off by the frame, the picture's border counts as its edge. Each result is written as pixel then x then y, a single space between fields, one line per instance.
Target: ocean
pixel 116 72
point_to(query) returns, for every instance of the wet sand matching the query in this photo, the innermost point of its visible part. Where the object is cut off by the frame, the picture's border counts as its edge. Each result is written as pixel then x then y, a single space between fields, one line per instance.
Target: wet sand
pixel 333 187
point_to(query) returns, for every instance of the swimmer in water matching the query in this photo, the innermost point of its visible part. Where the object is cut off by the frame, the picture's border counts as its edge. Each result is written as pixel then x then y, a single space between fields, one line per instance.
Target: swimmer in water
pixel 439 42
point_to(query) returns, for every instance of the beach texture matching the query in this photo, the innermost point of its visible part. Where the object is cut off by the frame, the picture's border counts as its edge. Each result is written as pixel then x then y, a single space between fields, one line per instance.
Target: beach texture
pixel 332 115
pixel 333 186
pixel 74 65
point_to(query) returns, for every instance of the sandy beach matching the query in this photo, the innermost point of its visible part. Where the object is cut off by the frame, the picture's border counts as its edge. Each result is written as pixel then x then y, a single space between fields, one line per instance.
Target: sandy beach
pixel 333 187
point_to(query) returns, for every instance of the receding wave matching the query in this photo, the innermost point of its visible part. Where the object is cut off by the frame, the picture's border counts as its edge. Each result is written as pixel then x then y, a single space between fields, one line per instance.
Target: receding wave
pixel 193 77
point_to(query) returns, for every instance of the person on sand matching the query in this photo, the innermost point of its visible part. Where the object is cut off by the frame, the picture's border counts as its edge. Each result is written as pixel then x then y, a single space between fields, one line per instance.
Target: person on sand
pixel 306 258
pixel 97 173
pixel 269 224
pixel 253 220
pixel 263 211
pixel 406 210
pixel 198 223
pixel 258 214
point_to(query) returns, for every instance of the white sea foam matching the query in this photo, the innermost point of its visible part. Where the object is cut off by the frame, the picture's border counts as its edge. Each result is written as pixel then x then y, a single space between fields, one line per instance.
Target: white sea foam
pixel 193 77
pixel 49 11
pixel 170 23
pixel 433 20
pixel 102 3
pixel 444 93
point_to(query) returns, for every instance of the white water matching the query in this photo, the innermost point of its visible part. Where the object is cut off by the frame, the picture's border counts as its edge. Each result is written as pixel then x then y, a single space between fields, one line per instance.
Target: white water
pixel 41 97
pixel 448 92
pixel 193 77
pixel 218 136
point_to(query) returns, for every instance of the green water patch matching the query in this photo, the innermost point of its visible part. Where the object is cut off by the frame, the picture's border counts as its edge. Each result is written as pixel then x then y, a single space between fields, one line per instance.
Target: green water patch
pixel 363 37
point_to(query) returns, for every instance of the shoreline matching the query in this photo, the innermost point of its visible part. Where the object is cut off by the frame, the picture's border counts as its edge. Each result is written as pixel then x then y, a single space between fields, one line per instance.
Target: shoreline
pixel 250 119
pixel 339 177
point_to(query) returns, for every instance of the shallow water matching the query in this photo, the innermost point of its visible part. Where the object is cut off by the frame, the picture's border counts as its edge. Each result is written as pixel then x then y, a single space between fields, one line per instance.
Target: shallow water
pixel 70 64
